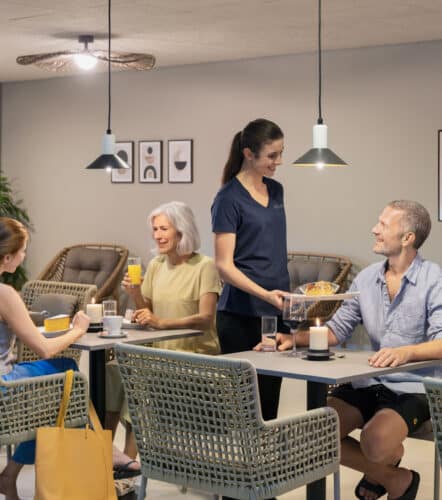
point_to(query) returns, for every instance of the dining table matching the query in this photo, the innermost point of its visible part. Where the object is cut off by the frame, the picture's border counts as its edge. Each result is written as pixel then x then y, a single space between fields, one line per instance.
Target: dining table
pixel 97 347
pixel 343 366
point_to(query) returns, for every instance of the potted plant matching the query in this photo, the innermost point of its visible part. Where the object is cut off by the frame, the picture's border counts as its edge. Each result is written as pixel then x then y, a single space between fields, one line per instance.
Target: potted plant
pixel 10 207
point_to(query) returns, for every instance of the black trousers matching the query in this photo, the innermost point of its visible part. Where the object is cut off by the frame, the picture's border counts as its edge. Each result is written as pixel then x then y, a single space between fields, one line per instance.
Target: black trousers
pixel 241 333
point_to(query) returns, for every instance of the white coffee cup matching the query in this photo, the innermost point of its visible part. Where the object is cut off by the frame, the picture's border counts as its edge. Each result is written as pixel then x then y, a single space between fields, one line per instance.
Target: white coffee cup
pixel 112 324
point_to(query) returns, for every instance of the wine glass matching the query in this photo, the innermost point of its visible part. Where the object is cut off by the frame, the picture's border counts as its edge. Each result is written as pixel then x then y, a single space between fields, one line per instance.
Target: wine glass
pixel 294 312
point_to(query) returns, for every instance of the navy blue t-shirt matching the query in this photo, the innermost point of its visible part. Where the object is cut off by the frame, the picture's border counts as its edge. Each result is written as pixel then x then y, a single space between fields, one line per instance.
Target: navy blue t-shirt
pixel 261 244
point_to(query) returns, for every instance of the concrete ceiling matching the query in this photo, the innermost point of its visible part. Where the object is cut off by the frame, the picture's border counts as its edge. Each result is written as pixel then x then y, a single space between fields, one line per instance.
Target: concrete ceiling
pixel 197 31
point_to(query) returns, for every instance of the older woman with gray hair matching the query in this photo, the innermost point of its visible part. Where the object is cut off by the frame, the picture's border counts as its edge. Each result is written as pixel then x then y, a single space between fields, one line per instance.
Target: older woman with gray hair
pixel 181 286
pixel 180 290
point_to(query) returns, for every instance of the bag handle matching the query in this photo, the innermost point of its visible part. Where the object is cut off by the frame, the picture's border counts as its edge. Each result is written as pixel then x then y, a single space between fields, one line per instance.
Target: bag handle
pixel 65 399
pixel 93 417
pixel 95 421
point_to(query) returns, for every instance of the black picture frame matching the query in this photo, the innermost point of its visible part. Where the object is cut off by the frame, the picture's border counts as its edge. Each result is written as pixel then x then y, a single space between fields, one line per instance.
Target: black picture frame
pixel 150 162
pixel 180 161
pixel 439 176
pixel 125 150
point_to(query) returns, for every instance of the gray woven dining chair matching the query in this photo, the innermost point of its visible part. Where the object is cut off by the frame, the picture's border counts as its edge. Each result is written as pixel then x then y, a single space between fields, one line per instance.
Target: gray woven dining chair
pixel 29 403
pixel 433 389
pixel 34 290
pixel 197 423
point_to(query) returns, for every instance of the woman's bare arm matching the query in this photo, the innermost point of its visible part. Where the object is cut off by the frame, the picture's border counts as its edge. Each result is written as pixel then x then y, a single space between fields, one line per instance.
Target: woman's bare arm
pixel 202 320
pixel 14 313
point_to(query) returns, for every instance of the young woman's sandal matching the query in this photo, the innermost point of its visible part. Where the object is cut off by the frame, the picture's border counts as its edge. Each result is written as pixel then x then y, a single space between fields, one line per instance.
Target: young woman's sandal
pixel 377 489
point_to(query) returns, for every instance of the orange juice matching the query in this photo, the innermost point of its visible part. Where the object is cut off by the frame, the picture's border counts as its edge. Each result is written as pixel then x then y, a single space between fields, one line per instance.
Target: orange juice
pixel 134 272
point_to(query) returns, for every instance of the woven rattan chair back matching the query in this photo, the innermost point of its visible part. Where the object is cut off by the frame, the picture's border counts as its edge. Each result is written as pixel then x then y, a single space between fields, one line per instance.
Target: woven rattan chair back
pixel 110 286
pixel 29 403
pixel 197 423
pixel 35 288
pixel 323 310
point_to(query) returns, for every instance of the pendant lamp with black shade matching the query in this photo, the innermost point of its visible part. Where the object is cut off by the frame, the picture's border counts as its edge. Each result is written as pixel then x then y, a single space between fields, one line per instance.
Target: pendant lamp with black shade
pixel 320 155
pixel 108 159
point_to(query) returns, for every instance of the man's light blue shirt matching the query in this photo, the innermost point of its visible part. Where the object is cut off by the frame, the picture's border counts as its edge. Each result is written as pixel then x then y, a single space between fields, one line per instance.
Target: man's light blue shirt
pixel 414 316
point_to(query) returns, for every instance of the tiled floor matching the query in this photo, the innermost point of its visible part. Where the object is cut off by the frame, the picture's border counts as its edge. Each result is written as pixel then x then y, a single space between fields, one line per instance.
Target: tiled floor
pixel 418 455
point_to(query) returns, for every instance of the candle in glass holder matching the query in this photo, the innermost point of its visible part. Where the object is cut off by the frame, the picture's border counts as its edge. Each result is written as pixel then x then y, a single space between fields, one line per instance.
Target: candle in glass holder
pixel 318 337
pixel 95 312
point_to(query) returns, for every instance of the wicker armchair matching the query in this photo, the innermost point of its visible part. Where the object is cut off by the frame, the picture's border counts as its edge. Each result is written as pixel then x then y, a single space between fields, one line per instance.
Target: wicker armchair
pixel 35 288
pixel 99 264
pixel 197 423
pixel 308 267
pixel 29 403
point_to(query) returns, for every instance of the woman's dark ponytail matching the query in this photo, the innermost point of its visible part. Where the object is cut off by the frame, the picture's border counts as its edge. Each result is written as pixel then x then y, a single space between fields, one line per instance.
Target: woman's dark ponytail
pixel 234 162
pixel 254 136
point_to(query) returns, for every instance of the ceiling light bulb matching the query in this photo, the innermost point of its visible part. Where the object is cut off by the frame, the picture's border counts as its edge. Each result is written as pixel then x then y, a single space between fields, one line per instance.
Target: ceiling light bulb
pixel 85 61
pixel 108 170
pixel 320 165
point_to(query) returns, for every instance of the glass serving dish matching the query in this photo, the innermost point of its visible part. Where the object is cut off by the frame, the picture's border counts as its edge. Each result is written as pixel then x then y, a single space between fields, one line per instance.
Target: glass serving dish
pixel 317 288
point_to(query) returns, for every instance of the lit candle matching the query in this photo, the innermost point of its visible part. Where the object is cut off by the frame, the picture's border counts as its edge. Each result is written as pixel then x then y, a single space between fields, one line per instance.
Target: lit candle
pixel 95 312
pixel 318 337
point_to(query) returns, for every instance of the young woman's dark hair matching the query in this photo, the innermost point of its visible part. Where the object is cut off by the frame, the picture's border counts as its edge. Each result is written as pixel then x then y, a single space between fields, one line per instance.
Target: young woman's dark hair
pixel 13 235
pixel 254 136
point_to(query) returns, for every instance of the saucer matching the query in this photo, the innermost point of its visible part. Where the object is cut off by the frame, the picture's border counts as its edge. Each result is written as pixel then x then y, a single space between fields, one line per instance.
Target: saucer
pixel 105 335
pixel 324 355
pixel 95 327
pixel 56 333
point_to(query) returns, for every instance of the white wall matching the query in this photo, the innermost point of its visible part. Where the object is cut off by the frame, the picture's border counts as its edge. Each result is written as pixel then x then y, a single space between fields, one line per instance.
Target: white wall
pixel 382 106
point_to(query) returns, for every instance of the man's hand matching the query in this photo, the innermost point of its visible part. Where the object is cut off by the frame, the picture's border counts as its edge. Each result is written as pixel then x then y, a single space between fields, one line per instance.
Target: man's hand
pixel 283 342
pixel 391 356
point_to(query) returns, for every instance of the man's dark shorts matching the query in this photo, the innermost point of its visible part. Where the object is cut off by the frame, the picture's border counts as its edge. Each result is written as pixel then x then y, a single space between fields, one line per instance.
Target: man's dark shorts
pixel 413 408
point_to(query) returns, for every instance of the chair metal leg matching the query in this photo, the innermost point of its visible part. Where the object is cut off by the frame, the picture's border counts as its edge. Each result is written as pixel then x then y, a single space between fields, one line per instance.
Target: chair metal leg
pixel 143 488
pixel 9 451
pixel 336 485
pixel 436 481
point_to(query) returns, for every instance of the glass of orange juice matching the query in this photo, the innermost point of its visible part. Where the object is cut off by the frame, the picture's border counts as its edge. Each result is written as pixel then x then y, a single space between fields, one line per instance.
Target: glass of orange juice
pixel 134 270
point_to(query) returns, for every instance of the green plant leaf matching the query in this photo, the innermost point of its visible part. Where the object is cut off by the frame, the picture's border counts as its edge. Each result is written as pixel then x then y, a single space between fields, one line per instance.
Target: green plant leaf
pixel 12 207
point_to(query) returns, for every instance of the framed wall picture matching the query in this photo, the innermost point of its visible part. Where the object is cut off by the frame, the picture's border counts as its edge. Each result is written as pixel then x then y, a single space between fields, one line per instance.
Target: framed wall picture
pixel 439 175
pixel 150 161
pixel 181 160
pixel 125 150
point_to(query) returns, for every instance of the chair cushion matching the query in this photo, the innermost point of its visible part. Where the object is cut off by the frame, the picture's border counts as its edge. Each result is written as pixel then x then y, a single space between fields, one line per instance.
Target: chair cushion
pixel 89 265
pixel 55 303
pixel 301 272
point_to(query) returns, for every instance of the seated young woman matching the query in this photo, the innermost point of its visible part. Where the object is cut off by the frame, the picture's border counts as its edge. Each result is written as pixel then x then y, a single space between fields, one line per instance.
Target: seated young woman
pixel 15 322
pixel 180 290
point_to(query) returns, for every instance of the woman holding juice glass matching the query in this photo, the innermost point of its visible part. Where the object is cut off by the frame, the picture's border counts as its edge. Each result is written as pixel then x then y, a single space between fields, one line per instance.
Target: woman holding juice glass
pixel 180 290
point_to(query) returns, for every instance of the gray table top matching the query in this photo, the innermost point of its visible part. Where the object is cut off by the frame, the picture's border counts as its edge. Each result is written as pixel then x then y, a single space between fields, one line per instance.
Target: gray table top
pixel 353 366
pixel 92 342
